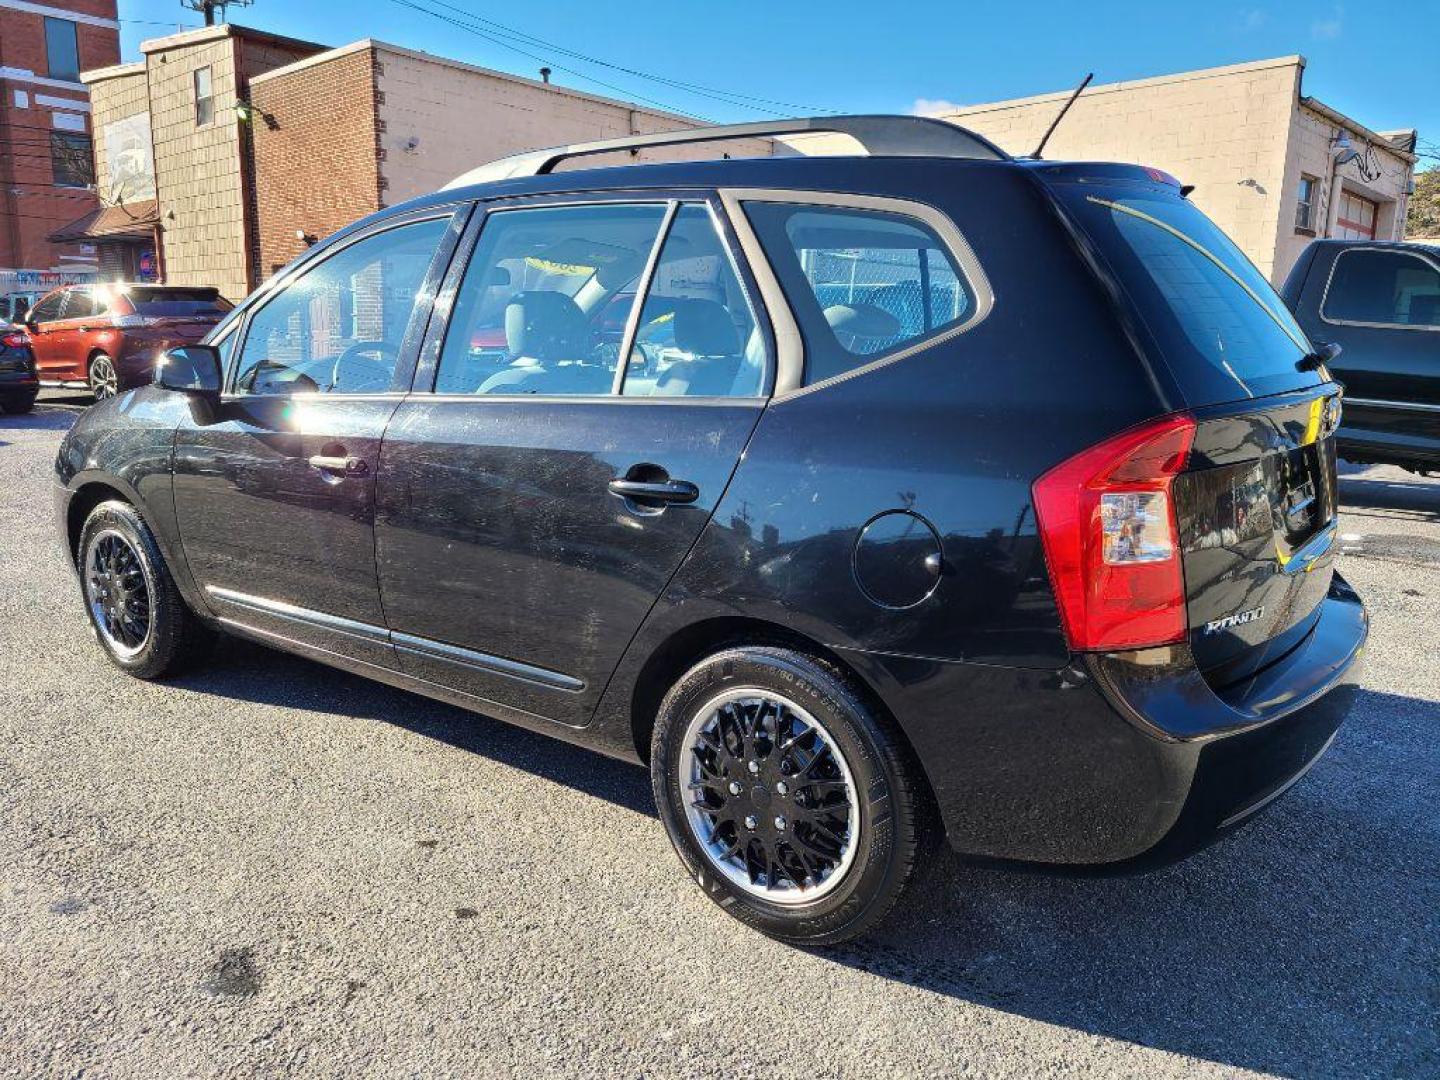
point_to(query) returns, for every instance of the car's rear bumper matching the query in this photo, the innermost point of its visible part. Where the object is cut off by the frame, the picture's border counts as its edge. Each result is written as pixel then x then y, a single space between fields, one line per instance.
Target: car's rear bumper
pixel 19 386
pixel 1120 759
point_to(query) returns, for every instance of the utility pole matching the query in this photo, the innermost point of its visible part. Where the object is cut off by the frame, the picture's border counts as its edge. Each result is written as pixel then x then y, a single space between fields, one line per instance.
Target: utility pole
pixel 209 7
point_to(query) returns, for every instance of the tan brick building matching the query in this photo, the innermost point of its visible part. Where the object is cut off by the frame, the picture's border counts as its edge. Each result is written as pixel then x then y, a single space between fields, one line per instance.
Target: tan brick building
pixel 172 156
pixel 225 150
pixel 45 133
pixel 368 125
pixel 1267 162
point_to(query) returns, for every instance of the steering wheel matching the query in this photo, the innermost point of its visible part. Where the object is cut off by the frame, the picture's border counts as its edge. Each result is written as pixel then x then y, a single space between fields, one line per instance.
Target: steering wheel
pixel 367 367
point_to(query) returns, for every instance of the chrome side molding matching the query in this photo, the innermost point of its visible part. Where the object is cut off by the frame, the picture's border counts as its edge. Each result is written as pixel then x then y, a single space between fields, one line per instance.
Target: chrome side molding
pixel 406 643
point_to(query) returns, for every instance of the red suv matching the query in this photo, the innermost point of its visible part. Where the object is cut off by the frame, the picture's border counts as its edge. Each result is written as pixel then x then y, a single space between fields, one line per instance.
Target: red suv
pixel 107 337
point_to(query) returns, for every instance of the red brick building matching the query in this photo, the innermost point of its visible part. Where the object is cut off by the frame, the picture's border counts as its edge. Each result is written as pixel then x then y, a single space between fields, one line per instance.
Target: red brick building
pixel 46 157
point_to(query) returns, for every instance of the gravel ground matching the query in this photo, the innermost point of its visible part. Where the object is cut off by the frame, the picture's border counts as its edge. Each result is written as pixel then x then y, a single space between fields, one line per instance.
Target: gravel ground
pixel 274 868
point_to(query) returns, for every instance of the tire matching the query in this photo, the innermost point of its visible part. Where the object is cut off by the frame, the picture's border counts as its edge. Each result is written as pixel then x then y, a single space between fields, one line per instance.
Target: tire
pixel 17 405
pixel 117 552
pixel 814 897
pixel 104 378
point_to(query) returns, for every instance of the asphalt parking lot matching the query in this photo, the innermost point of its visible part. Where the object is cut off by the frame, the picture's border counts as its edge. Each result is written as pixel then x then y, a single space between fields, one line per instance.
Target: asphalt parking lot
pixel 271 867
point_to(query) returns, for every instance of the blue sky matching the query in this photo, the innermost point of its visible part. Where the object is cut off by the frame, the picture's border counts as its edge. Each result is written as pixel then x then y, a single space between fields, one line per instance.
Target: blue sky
pixel 1377 62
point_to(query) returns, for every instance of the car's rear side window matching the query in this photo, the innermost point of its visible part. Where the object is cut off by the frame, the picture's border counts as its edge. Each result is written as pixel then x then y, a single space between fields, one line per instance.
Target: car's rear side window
pixel 862 283
pixel 1383 288
pixel 1222 330
pixel 177 303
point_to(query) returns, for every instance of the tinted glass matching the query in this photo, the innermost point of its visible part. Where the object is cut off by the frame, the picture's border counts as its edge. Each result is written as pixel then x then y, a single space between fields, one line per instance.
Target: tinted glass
pixel 48 309
pixel 62 58
pixel 177 303
pixel 71 159
pixel 545 300
pixel 1386 287
pixel 79 304
pixel 338 328
pixel 1222 330
pixel 862 283
pixel 696 335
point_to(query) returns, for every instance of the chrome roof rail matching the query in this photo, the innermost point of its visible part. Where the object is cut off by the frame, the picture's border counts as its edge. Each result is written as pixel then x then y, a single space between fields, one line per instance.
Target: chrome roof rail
pixel 887 136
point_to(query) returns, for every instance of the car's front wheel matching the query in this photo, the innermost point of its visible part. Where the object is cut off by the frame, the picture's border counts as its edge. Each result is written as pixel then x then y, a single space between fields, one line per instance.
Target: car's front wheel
pixel 792 804
pixel 135 608
pixel 104 379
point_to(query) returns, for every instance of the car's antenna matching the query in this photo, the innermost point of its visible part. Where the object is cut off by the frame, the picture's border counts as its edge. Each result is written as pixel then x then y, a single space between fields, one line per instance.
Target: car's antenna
pixel 1061 116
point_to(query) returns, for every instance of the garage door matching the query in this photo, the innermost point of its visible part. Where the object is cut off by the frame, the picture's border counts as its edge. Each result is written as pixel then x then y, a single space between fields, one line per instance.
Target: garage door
pixel 1357 217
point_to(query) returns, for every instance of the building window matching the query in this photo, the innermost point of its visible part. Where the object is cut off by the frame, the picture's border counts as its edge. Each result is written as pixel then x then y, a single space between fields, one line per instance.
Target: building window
pixel 71 159
pixel 1305 208
pixel 62 54
pixel 204 98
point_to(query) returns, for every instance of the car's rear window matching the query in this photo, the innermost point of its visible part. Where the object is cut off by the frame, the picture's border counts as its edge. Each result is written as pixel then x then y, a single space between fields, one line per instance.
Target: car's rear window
pixel 177 303
pixel 1219 325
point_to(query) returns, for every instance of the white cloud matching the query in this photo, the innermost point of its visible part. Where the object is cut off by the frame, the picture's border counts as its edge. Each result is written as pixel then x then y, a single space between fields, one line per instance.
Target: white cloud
pixel 1329 28
pixel 1252 19
pixel 934 106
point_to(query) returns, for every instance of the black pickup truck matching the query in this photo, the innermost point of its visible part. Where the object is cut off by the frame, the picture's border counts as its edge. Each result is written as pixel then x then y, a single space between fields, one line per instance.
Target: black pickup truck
pixel 1380 303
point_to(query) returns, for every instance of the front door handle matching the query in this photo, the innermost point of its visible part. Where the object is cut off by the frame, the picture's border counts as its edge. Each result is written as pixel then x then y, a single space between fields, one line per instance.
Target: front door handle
pixel 661 492
pixel 339 466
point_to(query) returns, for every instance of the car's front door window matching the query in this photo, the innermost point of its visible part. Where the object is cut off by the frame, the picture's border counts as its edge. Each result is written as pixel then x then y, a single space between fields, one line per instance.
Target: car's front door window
pixel 546 299
pixel 338 328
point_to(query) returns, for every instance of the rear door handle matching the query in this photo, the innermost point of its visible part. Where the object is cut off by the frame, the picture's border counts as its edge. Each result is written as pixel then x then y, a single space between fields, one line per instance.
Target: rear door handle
pixel 655 491
pixel 339 466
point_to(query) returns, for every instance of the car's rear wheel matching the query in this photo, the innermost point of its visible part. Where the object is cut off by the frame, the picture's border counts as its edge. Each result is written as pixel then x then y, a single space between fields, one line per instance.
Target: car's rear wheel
pixel 789 800
pixel 104 380
pixel 17 404
pixel 135 608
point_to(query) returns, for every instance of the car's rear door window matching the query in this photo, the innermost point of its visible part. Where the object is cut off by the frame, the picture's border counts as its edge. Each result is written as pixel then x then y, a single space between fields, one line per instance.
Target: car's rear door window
pixel 697 335
pixel 546 299
pixel 862 283
pixel 1222 330
pixel 177 303
pixel 1383 288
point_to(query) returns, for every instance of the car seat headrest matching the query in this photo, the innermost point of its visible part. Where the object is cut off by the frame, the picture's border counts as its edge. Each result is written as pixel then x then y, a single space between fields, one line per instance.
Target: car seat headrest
pixel 545 326
pixel 704 328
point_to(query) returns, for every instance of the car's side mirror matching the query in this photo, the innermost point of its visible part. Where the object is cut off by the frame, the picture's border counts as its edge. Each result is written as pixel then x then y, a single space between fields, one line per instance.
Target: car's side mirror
pixel 194 369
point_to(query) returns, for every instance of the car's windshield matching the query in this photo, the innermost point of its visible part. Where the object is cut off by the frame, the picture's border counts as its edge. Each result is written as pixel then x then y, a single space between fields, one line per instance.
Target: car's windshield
pixel 1221 328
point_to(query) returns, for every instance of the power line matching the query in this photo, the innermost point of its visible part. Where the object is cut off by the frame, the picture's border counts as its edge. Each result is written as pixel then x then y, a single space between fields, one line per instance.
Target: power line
pixel 729 97
pixel 515 48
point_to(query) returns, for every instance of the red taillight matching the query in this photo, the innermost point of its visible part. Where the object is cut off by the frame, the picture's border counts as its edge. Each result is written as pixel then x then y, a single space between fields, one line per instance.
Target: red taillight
pixel 1107 521
pixel 14 341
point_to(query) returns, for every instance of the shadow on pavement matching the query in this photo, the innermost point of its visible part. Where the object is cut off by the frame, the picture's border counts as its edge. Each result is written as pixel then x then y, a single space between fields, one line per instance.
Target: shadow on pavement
pixel 1305 944
pixel 44 418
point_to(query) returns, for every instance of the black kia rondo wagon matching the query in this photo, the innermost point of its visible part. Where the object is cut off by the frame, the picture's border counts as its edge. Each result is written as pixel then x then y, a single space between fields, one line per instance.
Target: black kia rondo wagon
pixel 865 499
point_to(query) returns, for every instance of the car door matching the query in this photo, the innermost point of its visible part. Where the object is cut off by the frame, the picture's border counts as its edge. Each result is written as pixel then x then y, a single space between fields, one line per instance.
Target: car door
pixel 47 340
pixel 274 490
pixel 1381 305
pixel 534 501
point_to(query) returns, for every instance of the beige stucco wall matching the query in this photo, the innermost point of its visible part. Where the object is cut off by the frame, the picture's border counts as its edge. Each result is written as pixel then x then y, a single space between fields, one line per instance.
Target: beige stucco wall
pixel 1225 130
pixel 462 116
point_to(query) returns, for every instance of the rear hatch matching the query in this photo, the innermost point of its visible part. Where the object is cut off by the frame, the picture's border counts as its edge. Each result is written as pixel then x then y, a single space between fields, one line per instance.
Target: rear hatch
pixel 1256 505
